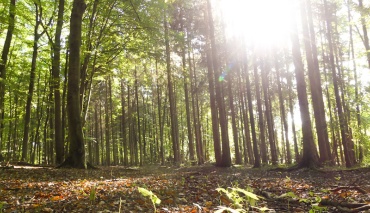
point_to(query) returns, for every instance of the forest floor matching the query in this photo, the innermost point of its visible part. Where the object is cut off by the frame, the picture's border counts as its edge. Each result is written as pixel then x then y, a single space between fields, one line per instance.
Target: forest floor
pixel 183 189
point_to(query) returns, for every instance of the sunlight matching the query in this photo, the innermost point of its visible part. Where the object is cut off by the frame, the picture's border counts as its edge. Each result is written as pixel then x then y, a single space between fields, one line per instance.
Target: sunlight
pixel 260 22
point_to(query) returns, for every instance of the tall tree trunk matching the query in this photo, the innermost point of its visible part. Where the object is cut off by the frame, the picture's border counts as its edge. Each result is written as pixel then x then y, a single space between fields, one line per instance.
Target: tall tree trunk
pixel 195 109
pixel 238 157
pixel 4 60
pixel 172 98
pixel 97 134
pixel 124 126
pixel 263 148
pixel 212 96
pixel 355 76
pixel 59 143
pixel 76 156
pixel 341 116
pixel 223 122
pixel 27 117
pixel 107 126
pixel 282 111
pixel 310 155
pixel 364 31
pixel 315 81
pixel 265 69
pixel 256 153
pixel 139 126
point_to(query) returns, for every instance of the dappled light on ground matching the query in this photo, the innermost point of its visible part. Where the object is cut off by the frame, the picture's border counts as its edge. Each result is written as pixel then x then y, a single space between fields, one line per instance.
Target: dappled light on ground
pixel 191 189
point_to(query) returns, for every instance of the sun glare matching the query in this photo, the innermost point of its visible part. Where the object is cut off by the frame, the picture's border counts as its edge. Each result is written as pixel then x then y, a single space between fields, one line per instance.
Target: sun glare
pixel 260 22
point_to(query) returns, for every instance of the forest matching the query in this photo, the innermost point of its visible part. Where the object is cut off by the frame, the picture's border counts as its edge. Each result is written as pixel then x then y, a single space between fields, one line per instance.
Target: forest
pixel 141 82
pixel 107 82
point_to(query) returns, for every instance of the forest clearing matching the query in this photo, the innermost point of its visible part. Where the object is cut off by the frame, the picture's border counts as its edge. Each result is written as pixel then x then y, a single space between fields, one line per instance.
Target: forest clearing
pixel 182 189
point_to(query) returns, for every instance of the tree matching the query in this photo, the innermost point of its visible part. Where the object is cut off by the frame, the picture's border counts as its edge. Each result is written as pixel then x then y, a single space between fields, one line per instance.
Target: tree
pixel 76 156
pixel 310 155
pixel 3 62
pixel 27 117
pixel 315 81
pixel 59 141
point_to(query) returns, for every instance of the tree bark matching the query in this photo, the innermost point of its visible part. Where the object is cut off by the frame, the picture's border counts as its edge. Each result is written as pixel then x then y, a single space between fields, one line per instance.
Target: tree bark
pixel 172 98
pixel 342 121
pixel 76 156
pixel 223 122
pixel 310 156
pixel 364 31
pixel 315 81
pixel 59 142
pixel 3 62
pixel 27 117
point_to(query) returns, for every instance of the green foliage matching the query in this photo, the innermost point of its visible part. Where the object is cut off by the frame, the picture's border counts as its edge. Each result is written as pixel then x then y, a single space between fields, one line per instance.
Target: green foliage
pixel 241 199
pixel 153 198
pixel 92 194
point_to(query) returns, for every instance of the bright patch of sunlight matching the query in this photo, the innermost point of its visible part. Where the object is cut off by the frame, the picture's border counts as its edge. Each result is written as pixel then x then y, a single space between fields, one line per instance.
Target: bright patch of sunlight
pixel 259 22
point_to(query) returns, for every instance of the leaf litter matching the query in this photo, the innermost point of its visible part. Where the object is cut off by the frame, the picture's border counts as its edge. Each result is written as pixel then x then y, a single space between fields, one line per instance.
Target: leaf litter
pixel 184 189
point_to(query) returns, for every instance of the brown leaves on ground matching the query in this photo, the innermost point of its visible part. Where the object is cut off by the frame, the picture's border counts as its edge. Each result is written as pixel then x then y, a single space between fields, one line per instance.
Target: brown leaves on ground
pixel 187 189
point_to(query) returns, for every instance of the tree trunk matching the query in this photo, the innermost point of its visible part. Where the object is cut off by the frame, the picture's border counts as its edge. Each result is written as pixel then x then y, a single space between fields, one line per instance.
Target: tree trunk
pixel 4 60
pixel 223 122
pixel 107 127
pixel 364 31
pixel 76 156
pixel 341 116
pixel 27 117
pixel 265 69
pixel 172 98
pixel 282 111
pixel 261 125
pixel 256 153
pixel 310 155
pixel 124 126
pixel 238 157
pixel 59 143
pixel 315 81
pixel 214 114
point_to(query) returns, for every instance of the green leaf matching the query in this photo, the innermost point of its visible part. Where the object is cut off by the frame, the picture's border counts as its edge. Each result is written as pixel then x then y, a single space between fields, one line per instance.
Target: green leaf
pixel 145 192
pixel 248 194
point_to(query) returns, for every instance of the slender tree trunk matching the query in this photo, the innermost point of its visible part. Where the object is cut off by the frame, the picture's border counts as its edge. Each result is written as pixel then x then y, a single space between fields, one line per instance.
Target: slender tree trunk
pixel 3 62
pixel 310 155
pixel 27 117
pixel 223 122
pixel 282 111
pixel 97 134
pixel 238 157
pixel 195 110
pixel 59 143
pixel 107 127
pixel 256 153
pixel 341 116
pixel 364 31
pixel 265 68
pixel 315 81
pixel 263 148
pixel 172 98
pixel 139 126
pixel 357 100
pixel 124 126
pixel 214 114
pixel 76 156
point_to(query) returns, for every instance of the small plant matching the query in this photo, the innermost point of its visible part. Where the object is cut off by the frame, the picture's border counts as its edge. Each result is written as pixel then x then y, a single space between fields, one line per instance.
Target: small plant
pixel 315 208
pixel 147 193
pixel 1 207
pixel 241 199
pixel 92 194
